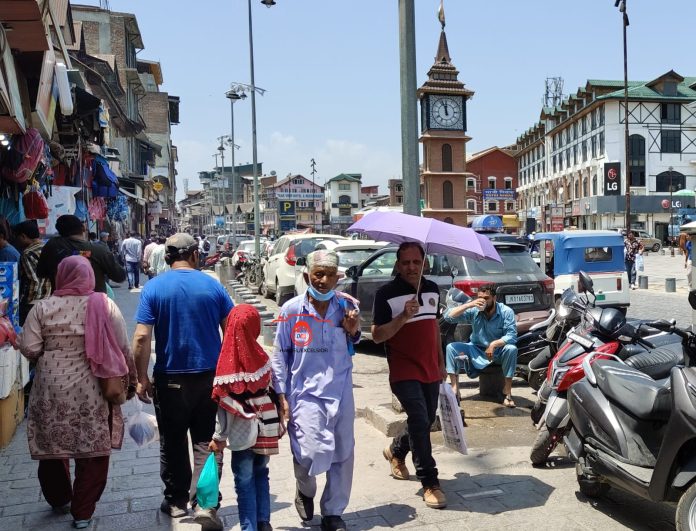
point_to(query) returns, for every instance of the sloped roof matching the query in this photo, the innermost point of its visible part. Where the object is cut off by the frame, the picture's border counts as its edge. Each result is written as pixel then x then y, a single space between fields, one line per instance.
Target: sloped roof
pixel 353 177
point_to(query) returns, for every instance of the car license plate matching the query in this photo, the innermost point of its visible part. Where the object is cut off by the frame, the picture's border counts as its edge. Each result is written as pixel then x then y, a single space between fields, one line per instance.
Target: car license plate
pixel 601 297
pixel 519 299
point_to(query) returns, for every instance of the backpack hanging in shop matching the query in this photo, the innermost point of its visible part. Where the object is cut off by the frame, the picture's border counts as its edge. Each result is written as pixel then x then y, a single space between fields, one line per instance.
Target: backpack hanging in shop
pixel 104 181
pixel 21 161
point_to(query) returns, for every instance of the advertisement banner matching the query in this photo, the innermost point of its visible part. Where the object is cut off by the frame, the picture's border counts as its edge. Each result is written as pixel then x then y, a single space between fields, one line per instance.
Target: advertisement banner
pixel 612 178
pixel 496 194
pixel 288 196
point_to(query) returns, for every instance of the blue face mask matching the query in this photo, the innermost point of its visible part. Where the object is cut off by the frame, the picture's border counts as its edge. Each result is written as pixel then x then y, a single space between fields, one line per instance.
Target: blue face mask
pixel 318 295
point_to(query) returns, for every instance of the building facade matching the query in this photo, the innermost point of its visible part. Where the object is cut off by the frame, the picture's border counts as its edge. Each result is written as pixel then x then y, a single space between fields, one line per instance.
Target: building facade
pixel 293 203
pixel 342 200
pixel 491 185
pixel 571 163
pixel 396 192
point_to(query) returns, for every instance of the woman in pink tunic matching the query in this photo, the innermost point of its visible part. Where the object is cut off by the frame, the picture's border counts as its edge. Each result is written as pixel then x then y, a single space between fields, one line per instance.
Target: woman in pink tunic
pixel 72 335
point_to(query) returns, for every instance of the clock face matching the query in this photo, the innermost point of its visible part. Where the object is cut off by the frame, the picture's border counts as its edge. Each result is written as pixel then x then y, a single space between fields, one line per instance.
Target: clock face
pixel 446 112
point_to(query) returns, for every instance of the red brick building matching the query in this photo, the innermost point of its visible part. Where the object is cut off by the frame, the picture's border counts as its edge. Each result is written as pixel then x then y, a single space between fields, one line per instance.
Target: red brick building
pixel 492 184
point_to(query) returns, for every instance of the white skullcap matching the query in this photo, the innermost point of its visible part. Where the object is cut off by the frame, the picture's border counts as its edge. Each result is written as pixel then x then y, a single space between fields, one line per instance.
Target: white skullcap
pixel 322 258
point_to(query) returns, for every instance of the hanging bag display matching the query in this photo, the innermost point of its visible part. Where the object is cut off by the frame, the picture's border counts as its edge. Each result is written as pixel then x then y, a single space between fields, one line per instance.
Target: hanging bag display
pixel 24 157
pixel 34 203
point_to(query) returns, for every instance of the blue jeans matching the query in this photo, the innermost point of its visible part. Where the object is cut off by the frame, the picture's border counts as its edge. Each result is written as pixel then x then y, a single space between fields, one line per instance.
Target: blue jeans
pixel 133 269
pixel 505 356
pixel 250 472
pixel 631 271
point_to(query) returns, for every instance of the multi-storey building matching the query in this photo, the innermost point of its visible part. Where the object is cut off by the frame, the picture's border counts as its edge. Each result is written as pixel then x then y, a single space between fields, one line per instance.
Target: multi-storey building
pixel 293 203
pixel 571 163
pixel 491 183
pixel 342 200
pixel 396 192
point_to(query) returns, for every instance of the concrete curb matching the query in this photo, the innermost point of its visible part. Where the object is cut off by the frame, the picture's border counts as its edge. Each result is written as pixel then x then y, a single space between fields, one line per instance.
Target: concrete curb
pixel 383 418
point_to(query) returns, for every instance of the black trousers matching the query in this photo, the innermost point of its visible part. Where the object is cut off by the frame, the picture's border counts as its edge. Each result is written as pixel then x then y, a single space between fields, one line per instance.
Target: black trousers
pixel 183 408
pixel 419 400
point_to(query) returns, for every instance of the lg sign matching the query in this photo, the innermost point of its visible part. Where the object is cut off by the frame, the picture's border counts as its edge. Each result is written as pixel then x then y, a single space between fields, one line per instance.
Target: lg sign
pixel 675 204
pixel 612 178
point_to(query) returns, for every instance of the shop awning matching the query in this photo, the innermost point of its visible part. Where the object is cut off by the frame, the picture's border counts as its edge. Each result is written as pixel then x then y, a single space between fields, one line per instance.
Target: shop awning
pixel 132 196
pixel 511 221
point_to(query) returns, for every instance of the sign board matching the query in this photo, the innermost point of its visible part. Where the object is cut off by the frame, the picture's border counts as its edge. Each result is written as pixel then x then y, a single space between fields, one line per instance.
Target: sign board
pixel 219 221
pixel 286 209
pixel 556 224
pixel 157 186
pixel 289 196
pixel 496 194
pixel 612 178
pixel 287 224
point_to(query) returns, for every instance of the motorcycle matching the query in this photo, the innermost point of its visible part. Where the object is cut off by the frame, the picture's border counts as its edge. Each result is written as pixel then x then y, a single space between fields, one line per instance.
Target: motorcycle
pixel 251 273
pixel 607 333
pixel 541 337
pixel 637 433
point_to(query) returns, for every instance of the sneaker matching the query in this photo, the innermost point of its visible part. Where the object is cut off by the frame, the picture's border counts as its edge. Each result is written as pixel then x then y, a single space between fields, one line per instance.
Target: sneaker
pixel 173 510
pixel 63 509
pixel 264 526
pixel 332 523
pixel 434 497
pixel 304 505
pixel 398 466
pixel 82 524
pixel 207 519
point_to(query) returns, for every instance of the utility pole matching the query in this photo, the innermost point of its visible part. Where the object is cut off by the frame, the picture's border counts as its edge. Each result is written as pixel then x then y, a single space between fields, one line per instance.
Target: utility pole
pixel 621 4
pixel 409 111
pixel 314 207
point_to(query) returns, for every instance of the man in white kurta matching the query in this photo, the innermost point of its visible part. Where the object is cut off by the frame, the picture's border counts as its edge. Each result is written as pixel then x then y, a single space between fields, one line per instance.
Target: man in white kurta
pixel 312 375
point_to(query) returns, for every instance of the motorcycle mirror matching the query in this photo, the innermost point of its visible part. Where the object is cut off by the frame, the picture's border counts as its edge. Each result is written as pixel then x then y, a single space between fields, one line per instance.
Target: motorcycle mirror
pixel 586 283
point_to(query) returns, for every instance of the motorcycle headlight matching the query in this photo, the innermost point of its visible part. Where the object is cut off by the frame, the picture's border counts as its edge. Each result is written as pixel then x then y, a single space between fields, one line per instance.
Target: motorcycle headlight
pixel 563 310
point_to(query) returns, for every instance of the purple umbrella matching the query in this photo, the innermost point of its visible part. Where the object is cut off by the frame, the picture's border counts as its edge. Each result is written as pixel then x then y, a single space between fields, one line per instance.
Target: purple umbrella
pixel 436 236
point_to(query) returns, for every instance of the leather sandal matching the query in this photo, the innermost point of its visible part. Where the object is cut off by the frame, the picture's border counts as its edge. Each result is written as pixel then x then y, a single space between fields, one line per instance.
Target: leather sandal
pixel 509 402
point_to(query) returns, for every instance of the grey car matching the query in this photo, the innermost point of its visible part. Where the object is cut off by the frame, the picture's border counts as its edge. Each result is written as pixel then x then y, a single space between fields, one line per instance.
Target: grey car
pixel 521 284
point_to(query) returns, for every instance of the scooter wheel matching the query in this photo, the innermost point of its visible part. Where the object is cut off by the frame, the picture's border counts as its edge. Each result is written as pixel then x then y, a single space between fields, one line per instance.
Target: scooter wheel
pixel 544 444
pixel 686 510
pixel 593 488
pixel 536 378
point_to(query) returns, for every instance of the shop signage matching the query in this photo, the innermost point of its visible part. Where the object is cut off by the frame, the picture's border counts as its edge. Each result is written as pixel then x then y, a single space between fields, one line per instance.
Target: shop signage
pixel 556 224
pixel 289 196
pixel 676 203
pixel 286 209
pixel 287 224
pixel 496 194
pixel 576 208
pixel 612 178
pixel 557 212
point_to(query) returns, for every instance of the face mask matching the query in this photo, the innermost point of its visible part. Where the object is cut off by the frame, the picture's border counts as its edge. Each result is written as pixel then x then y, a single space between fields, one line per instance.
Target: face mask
pixel 318 295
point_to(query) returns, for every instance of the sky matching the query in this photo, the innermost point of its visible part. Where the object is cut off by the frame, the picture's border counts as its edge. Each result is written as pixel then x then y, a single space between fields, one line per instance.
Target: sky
pixel 330 69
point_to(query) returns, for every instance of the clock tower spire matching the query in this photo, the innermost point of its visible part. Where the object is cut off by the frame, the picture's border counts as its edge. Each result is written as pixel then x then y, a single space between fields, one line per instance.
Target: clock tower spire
pixel 443 135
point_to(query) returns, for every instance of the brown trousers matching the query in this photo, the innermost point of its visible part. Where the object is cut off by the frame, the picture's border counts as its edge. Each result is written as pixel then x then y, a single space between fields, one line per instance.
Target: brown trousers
pixel 82 494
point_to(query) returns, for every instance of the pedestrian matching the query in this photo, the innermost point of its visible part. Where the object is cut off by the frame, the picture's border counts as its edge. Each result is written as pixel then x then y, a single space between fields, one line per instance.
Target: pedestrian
pixel 186 308
pixel 312 374
pixel 32 287
pixel 493 340
pixel 92 236
pixel 103 239
pixel 633 247
pixel 75 336
pixel 247 417
pixel 8 252
pixel 204 248
pixel 132 251
pixel 147 252
pixel 688 265
pixel 72 241
pixel 157 262
pixel 405 314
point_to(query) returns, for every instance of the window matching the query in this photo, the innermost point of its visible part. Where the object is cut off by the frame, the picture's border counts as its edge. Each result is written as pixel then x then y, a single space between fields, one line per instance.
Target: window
pixel 601 143
pixel 492 206
pixel 509 207
pixel 567 136
pixel 447 195
pixel 593 120
pixel 560 140
pixel 577 188
pixel 664 179
pixel 446 157
pixel 471 205
pixel 575 154
pixel 669 88
pixel 671 113
pixel 593 143
pixel 598 254
pixel 584 150
pixel 399 188
pixel 575 130
pixel 508 183
pixel 382 265
pixel 555 137
pixel 594 185
pixel 297 181
pixel 399 200
pixel 344 186
pixel 585 187
pixel 567 157
pixel 560 161
pixel 636 160
pixel 584 124
pixel 601 115
pixel 491 183
pixel 553 163
pixel 471 184
pixel 670 141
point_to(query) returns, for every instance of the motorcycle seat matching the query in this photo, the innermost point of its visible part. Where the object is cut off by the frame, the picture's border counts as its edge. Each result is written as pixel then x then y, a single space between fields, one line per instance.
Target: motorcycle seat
pixel 658 362
pixel 633 390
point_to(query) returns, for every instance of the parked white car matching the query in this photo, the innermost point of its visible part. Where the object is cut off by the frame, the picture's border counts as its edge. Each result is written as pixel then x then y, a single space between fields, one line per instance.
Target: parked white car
pixel 279 270
pixel 350 253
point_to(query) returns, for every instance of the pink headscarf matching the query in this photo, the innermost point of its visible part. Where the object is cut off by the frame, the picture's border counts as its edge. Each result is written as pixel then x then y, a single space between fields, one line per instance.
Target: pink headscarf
pixel 75 276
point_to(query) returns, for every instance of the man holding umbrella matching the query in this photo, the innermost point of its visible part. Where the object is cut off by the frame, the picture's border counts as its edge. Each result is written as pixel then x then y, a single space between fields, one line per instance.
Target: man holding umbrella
pixel 406 315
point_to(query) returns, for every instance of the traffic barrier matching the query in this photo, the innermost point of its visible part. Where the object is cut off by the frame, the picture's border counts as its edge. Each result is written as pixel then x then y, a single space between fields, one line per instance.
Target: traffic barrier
pixel 642 281
pixel 670 285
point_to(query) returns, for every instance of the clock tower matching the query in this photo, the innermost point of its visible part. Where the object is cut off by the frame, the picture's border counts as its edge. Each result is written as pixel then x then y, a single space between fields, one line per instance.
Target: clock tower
pixel 443 135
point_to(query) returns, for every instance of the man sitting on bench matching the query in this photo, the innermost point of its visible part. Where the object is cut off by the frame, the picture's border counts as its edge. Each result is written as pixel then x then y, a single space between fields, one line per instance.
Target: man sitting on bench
pixel 493 340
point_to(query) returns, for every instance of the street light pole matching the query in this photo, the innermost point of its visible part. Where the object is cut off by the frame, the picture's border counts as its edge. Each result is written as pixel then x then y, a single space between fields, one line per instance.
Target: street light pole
pixel 621 4
pixel 314 208
pixel 670 228
pixel 233 96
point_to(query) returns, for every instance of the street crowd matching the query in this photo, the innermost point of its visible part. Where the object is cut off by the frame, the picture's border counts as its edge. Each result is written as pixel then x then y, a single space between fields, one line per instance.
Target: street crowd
pixel 213 384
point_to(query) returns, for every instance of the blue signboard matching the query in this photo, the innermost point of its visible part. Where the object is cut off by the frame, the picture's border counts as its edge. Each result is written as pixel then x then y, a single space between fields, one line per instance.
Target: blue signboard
pixel 219 221
pixel 286 209
pixel 287 224
pixel 499 194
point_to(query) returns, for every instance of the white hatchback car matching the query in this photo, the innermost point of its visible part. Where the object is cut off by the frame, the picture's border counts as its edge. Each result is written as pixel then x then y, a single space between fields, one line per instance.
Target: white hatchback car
pixel 350 253
pixel 279 270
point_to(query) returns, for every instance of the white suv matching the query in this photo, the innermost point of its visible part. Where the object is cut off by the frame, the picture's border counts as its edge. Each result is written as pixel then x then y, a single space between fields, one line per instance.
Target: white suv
pixel 281 268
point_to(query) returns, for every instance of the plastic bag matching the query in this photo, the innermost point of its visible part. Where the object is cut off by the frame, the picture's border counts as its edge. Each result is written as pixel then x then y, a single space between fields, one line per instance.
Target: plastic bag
pixel 142 426
pixel 451 420
pixel 640 265
pixel 208 486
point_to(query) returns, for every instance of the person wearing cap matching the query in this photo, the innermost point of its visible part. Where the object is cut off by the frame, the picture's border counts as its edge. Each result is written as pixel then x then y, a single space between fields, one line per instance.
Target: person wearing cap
pixel 72 240
pixel 312 375
pixel 185 309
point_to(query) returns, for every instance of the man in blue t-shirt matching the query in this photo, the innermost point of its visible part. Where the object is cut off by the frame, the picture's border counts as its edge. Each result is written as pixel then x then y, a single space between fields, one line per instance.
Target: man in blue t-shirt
pixel 187 309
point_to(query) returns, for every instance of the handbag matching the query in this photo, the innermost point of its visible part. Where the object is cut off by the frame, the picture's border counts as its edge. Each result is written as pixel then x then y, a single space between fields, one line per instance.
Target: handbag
pixel 114 389
pixel 34 202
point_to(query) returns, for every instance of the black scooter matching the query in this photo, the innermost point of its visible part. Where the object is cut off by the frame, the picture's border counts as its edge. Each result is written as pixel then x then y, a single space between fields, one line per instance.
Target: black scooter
pixel 636 433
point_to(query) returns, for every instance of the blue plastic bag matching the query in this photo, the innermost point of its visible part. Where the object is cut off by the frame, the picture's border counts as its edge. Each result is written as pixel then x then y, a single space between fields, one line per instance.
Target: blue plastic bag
pixel 208 486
